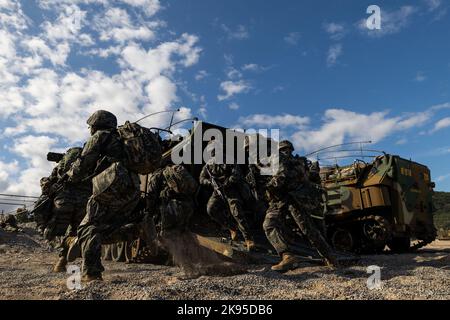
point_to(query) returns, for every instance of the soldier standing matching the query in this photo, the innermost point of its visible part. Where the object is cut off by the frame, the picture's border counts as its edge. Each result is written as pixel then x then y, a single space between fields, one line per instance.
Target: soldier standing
pixel 69 207
pixel 115 190
pixel 226 204
pixel 8 222
pixel 291 193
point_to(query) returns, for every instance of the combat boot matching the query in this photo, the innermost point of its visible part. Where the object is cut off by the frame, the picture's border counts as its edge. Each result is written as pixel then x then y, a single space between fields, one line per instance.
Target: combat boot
pixel 74 251
pixel 60 265
pixel 288 262
pixel 90 277
pixel 332 261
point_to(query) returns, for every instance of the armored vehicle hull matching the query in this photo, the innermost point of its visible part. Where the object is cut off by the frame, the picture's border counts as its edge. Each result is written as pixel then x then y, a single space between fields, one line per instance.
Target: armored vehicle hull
pixel 371 205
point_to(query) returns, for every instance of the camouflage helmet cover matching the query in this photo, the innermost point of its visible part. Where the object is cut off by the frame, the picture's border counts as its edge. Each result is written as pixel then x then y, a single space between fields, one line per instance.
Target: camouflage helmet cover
pixel 102 119
pixel 285 144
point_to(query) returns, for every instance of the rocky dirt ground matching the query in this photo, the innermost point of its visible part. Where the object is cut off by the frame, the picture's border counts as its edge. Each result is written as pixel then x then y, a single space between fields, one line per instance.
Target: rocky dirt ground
pixel 26 263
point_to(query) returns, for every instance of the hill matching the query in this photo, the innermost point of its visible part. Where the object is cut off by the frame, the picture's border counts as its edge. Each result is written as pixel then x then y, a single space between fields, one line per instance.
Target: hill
pixel 441 202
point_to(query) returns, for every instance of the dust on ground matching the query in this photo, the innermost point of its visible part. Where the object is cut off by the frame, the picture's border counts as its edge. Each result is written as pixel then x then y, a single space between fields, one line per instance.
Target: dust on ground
pixel 26 263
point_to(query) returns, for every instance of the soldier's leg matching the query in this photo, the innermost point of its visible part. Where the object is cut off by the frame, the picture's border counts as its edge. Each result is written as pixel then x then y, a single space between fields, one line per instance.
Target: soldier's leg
pixel 90 241
pixel 277 232
pixel 235 204
pixel 314 236
pixel 175 216
pixel 217 210
pixel 275 229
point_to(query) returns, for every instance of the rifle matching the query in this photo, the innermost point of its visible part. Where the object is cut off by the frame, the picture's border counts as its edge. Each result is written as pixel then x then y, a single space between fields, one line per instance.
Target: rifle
pixel 251 179
pixel 216 186
pixel 59 186
pixel 55 157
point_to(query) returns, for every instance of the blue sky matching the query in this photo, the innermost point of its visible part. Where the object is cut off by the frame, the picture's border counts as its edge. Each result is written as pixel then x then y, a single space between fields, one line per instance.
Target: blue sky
pixel 309 68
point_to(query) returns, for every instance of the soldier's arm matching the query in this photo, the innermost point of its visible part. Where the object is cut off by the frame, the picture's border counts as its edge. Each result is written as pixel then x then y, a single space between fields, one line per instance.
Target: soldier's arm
pixel 53 178
pixel 204 177
pixel 280 178
pixel 235 174
pixel 154 188
pixel 85 165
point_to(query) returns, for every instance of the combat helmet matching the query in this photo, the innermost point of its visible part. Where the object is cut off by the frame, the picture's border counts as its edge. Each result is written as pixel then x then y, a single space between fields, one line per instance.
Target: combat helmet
pixel 285 144
pixel 102 119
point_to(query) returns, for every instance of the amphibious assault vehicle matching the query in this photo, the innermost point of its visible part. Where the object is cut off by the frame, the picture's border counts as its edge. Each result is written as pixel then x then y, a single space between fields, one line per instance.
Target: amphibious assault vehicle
pixel 369 205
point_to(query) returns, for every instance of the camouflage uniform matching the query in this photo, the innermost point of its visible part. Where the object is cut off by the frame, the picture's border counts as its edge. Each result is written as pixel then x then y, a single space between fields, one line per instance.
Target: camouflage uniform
pixel 314 173
pixel 115 191
pixel 8 222
pixel 236 193
pixel 170 198
pixel 291 194
pixel 69 204
pixel 257 183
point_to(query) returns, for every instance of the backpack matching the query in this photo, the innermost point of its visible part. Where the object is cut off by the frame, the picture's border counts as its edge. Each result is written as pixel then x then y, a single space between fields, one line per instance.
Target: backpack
pixel 180 180
pixel 142 149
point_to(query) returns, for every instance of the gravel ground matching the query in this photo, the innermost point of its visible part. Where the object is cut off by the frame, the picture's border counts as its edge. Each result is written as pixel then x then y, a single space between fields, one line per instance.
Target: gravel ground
pixel 26 263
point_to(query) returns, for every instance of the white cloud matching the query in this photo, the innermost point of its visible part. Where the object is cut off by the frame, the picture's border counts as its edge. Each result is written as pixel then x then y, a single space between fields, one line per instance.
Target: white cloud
pixel 420 77
pixel 441 124
pixel 201 75
pixel 116 25
pixel 233 73
pixel 391 21
pixel 240 33
pixel 270 121
pixel 33 149
pixel 342 125
pixel 336 30
pixel 251 67
pixel 334 52
pixel 44 101
pixel 293 38
pixel 232 88
pixel 234 106
pixel 203 112
pixel 150 7
pixel 278 88
pixel 439 107
pixel 159 60
pixel 12 16
pixel 433 4
pixel 443 177
pixel 67 26
pixel 57 55
pixel 161 92
pixel 6 170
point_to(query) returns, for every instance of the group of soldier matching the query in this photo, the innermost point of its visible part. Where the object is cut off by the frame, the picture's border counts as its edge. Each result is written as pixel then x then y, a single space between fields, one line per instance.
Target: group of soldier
pixel 92 198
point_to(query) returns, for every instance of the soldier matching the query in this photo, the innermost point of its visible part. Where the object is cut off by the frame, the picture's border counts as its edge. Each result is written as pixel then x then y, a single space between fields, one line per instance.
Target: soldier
pixel 62 206
pixel 170 196
pixel 290 193
pixel 69 207
pixel 226 204
pixel 8 222
pixel 115 190
pixel 314 172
